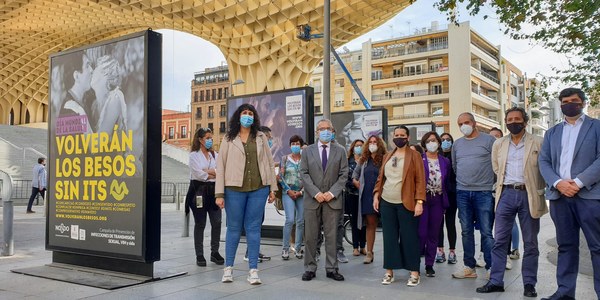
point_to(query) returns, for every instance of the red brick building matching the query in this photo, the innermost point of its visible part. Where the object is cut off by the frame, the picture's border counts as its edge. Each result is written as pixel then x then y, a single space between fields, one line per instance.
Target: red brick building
pixel 176 128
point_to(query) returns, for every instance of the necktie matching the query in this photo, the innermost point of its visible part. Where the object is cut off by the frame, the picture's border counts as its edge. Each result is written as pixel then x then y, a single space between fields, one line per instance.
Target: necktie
pixel 324 157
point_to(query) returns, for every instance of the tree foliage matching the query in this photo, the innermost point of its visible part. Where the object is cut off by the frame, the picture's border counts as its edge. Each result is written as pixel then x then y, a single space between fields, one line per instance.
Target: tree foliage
pixel 569 27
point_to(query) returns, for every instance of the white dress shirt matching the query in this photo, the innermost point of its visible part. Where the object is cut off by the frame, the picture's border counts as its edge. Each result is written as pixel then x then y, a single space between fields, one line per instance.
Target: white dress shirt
pixel 569 139
pixel 515 163
pixel 326 150
pixel 198 163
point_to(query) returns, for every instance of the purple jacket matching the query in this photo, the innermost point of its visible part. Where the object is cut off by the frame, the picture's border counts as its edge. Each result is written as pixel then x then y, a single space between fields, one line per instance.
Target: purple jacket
pixel 445 168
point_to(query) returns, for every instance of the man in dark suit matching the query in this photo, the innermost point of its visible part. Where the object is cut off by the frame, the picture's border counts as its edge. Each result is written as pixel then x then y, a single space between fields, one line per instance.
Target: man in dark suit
pixel 570 164
pixel 323 170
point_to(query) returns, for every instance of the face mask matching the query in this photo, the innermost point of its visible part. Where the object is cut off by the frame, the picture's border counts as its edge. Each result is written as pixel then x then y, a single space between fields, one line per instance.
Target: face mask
pixel 357 150
pixel 515 128
pixel 400 142
pixel 432 147
pixel 446 145
pixel 295 149
pixel 466 129
pixel 270 143
pixel 246 120
pixel 373 148
pixel 208 143
pixel 571 109
pixel 325 136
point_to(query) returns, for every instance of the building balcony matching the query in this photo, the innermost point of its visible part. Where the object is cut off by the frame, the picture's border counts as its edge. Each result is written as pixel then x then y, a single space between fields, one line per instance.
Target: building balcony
pixel 421 115
pixel 211 115
pixel 538 124
pixel 408 94
pixel 488 78
pixel 222 113
pixel 198 116
pixel 395 52
pixel 484 100
pixel 389 78
pixel 540 108
pixel 486 121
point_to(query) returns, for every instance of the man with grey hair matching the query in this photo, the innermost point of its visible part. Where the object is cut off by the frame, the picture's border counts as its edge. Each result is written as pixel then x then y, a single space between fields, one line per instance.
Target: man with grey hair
pixel 323 170
pixel 472 163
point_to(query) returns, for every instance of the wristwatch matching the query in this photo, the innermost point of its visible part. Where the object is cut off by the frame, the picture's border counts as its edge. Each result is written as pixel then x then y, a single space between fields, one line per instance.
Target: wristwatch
pixel 420 201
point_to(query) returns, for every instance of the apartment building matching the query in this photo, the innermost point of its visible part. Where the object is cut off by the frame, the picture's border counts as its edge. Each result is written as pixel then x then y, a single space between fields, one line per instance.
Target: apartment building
pixel 210 89
pixel 175 128
pixel 432 75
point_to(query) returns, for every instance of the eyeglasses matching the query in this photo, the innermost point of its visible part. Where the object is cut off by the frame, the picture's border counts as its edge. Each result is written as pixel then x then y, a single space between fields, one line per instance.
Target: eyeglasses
pixel 447 139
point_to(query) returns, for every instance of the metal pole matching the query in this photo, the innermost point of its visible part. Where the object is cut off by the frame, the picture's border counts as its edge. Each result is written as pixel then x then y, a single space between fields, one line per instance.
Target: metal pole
pixel 178 203
pixel 7 213
pixel 186 224
pixel 326 95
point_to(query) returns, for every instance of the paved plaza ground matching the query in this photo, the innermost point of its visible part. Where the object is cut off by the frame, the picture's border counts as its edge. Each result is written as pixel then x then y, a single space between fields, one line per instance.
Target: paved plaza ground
pixel 281 279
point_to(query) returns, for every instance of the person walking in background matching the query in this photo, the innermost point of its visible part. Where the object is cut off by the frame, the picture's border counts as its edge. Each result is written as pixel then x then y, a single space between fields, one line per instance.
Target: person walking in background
pixel 293 201
pixel 323 170
pixel 472 162
pixel 570 163
pixel 496 132
pixel 245 178
pixel 358 233
pixel 399 195
pixel 200 198
pixel 38 183
pixel 365 176
pixel 437 168
pixel 450 212
pixel 519 192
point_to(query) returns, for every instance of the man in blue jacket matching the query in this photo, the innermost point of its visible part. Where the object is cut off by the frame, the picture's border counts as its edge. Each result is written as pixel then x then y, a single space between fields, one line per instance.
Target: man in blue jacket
pixel 570 164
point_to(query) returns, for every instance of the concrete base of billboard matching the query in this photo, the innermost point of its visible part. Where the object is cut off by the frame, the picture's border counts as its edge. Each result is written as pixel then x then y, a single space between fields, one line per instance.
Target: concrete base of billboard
pixel 92 277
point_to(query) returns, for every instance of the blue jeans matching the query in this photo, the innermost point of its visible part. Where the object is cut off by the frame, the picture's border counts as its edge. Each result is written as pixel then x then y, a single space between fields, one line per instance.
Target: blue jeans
pixel 481 205
pixel 244 210
pixel 294 213
pixel 515 237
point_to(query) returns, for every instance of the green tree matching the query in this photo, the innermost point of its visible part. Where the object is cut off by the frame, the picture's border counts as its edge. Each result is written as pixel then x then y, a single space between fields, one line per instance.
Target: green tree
pixel 569 27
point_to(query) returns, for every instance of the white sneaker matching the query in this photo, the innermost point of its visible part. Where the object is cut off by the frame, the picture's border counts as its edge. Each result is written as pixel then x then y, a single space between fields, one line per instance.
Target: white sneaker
pixel 253 277
pixel 508 263
pixel 465 273
pixel 387 279
pixel 285 254
pixel 227 275
pixel 413 280
pixel 480 263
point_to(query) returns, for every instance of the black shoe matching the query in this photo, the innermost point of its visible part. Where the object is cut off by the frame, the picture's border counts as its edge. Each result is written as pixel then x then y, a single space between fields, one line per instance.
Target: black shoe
pixel 31 212
pixel 490 288
pixel 262 257
pixel 530 291
pixel 429 272
pixel 217 258
pixel 335 276
pixel 308 276
pixel 200 261
pixel 557 296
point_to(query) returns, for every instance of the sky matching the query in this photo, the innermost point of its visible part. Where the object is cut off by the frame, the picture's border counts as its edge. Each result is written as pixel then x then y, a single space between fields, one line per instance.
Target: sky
pixel 185 54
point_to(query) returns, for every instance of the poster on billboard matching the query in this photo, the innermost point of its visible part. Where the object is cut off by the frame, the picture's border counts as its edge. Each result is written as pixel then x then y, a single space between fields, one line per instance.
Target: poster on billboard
pixel 359 124
pixel 104 153
pixel 285 112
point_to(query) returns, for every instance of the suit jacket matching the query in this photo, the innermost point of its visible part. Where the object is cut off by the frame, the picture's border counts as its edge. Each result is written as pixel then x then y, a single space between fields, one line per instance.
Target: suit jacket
pixel 534 183
pixel 445 167
pixel 413 178
pixel 315 180
pixel 586 159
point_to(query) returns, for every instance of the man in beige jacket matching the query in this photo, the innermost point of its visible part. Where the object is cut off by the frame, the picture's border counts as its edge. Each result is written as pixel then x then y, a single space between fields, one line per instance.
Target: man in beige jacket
pixel 519 192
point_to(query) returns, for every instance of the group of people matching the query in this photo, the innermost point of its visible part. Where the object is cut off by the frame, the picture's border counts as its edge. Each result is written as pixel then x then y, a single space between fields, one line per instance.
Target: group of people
pixel 489 181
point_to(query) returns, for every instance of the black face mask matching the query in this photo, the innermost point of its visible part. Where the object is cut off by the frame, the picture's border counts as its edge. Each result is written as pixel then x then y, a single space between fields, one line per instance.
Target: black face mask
pixel 572 109
pixel 400 142
pixel 515 128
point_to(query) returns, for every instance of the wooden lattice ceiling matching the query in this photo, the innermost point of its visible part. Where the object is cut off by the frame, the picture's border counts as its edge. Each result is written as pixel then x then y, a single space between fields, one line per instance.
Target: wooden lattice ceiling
pixel 257 37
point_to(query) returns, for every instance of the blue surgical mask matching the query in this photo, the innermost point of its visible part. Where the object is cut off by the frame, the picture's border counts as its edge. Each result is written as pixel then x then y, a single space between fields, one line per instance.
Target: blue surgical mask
pixel 357 150
pixel 446 145
pixel 208 143
pixel 246 120
pixel 295 149
pixel 270 143
pixel 325 136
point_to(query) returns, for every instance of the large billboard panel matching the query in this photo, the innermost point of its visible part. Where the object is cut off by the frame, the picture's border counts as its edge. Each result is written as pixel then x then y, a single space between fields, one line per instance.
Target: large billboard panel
pixel 286 112
pixel 104 153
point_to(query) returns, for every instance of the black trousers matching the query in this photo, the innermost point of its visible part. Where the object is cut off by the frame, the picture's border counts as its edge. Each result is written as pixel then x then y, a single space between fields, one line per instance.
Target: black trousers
pixel 207 191
pixel 450 220
pixel 34 192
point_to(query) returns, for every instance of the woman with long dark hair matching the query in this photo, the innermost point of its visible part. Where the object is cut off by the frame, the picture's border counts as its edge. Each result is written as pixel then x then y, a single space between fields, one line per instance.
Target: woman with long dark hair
pixel 399 195
pixel 365 176
pixel 358 233
pixel 245 178
pixel 200 198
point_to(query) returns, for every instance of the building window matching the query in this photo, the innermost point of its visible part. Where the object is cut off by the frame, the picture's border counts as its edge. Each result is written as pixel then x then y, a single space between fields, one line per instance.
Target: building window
pixel 318 109
pixel 201 95
pixel 222 127
pixel 195 96
pixel 199 113
pixel 207 95
pixel 436 89
pixel 184 132
pixel 214 94
pixel 226 92
pixel 223 112
pixel 437 109
pixel 211 113
pixel 339 82
pixel 220 93
pixel 210 125
pixel 171 133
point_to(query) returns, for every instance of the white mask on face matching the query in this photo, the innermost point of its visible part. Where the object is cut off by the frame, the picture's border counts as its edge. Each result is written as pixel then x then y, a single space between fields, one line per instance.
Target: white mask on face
pixel 373 148
pixel 432 147
pixel 466 129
